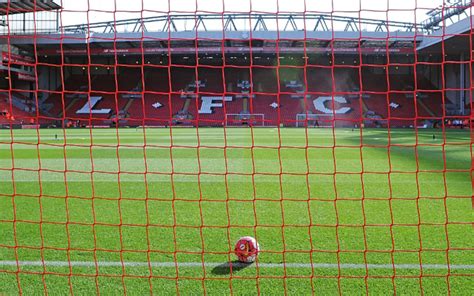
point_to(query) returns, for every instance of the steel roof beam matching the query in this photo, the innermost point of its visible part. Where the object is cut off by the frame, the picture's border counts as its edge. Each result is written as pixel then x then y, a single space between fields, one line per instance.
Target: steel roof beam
pixel 230 24
pixel 322 22
pixel 439 15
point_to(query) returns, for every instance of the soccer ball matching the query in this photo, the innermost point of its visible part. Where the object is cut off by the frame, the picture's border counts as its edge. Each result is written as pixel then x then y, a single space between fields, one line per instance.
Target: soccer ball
pixel 246 249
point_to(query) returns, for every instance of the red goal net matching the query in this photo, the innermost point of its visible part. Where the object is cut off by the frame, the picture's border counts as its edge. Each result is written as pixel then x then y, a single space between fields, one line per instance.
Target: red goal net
pixel 222 147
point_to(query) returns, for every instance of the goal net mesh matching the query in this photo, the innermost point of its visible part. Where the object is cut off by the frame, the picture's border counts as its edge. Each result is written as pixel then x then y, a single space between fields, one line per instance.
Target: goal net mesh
pixel 120 172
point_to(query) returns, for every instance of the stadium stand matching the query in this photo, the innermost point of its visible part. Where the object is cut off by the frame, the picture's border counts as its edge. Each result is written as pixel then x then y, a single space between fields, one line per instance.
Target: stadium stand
pixel 126 95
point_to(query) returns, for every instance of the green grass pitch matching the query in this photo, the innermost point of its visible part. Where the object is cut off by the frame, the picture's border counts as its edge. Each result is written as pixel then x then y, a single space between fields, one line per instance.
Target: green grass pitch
pixel 399 201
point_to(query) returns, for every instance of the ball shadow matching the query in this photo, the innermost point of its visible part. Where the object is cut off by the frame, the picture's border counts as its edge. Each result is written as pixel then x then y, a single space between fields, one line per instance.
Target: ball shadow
pixel 228 267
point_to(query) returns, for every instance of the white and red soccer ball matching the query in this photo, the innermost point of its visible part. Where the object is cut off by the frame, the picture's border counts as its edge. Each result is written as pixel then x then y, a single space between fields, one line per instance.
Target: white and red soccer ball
pixel 247 249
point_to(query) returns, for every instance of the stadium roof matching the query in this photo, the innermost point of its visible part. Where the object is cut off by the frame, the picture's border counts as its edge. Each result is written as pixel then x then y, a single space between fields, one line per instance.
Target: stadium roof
pixel 217 42
pixel 24 6
pixel 244 22
pixel 285 33
pixel 456 38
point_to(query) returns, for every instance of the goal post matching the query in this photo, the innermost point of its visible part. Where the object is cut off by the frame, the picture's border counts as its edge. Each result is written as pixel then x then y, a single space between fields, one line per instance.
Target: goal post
pixel 314 120
pixel 253 119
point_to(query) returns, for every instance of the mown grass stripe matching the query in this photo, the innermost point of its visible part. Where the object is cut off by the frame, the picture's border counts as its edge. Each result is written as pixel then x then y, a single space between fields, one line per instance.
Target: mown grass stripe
pixel 234 264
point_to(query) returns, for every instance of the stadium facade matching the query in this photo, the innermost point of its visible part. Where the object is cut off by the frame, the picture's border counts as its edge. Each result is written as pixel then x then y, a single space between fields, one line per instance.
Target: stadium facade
pixel 236 70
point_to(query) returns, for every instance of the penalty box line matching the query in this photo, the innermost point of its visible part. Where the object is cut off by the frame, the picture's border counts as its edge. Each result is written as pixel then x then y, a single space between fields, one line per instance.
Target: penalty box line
pixel 234 264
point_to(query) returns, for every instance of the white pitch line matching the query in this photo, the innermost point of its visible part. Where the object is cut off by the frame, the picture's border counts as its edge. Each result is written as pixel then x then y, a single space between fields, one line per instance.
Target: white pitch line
pixel 224 265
